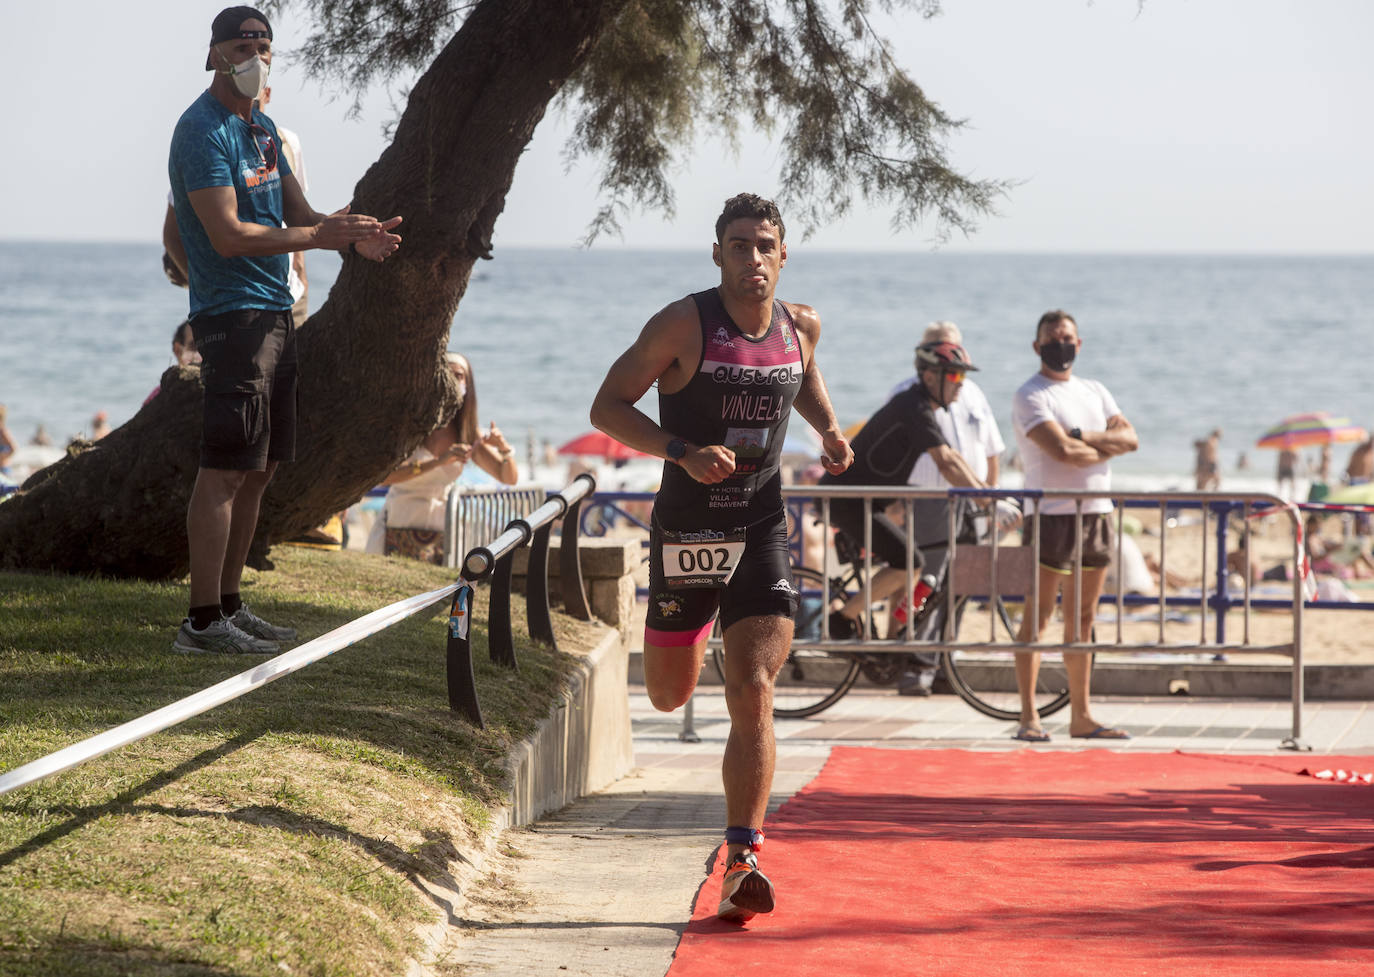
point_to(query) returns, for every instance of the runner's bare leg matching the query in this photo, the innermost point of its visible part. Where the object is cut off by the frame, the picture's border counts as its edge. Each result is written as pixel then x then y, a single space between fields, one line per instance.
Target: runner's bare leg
pixel 755 650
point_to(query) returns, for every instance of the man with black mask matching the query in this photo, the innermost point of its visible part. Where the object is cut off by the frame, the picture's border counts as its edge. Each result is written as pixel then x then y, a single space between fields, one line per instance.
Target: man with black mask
pixel 1067 430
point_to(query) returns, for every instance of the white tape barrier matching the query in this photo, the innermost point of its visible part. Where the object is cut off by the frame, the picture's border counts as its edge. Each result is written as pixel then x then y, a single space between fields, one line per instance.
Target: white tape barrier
pixel 231 688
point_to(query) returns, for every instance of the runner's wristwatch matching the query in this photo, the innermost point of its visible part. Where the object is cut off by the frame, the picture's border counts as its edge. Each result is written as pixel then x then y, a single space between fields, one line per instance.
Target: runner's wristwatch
pixel 677 450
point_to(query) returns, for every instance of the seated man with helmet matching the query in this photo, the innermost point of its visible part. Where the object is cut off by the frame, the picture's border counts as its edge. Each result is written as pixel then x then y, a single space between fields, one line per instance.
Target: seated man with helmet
pixel 885 451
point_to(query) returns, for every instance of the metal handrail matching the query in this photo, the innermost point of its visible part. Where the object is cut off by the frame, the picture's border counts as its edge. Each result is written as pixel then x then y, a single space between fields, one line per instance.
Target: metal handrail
pixel 494 562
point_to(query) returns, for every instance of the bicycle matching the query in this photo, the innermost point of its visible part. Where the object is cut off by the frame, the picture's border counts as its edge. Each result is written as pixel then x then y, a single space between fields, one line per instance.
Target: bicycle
pixel 813 679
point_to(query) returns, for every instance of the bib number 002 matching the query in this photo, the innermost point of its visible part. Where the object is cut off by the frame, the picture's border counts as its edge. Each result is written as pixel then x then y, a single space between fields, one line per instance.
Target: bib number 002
pixel 704 560
pixel 711 562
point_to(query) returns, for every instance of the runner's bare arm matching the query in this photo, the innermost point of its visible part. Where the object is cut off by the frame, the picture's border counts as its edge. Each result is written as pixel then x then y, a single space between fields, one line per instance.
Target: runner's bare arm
pixel 1055 442
pixel 669 341
pixel 813 399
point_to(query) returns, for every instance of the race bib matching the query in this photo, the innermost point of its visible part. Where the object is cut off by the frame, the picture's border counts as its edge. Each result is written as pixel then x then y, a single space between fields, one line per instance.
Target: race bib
pixel 702 557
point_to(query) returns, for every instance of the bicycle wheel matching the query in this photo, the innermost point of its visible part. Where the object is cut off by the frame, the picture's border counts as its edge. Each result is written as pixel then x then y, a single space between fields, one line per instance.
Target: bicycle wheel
pixel 985 678
pixel 810 680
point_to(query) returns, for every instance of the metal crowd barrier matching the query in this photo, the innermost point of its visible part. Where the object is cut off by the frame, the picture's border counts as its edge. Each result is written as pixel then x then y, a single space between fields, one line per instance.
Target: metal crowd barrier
pixel 474 513
pixel 495 561
pixel 993 555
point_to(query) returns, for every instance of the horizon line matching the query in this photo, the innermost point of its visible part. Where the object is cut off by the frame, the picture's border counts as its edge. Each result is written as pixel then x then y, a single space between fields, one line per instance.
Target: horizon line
pixel 824 249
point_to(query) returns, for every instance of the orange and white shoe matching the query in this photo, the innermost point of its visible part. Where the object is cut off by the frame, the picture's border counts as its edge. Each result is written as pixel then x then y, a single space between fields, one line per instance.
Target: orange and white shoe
pixel 746 891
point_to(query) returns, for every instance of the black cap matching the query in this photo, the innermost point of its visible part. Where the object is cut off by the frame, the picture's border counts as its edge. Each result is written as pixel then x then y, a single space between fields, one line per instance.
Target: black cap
pixel 228 27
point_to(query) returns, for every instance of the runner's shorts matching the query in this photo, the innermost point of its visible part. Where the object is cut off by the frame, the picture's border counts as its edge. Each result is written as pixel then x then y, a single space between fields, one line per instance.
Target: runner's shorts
pixel 1056 549
pixel 761 587
pixel 248 367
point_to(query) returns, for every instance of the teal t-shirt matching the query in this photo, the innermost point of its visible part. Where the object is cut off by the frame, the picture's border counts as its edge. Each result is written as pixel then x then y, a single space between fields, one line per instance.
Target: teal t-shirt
pixel 213 147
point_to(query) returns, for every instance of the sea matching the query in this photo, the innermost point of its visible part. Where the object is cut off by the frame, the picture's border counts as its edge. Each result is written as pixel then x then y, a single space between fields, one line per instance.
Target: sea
pixel 1186 343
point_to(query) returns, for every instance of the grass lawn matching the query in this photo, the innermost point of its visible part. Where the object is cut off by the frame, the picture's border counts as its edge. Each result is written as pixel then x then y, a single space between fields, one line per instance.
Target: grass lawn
pixel 287 832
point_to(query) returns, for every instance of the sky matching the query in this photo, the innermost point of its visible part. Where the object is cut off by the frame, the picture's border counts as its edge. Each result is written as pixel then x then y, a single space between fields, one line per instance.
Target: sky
pixel 1185 126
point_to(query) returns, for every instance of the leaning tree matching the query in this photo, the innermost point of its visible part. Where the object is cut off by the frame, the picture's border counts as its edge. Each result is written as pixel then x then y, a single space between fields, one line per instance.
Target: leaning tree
pixel 636 76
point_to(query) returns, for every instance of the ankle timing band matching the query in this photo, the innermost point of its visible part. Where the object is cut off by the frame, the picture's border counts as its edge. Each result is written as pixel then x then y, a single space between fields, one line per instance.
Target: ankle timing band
pixel 744 836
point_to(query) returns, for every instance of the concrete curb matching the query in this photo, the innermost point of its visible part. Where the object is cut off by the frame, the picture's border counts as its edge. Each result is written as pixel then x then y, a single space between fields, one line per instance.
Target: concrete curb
pixel 583 745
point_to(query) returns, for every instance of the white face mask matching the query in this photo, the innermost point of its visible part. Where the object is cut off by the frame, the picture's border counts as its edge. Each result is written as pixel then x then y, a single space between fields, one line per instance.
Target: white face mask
pixel 250 78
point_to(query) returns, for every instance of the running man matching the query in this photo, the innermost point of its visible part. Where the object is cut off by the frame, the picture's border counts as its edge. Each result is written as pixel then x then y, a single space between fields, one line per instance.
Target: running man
pixel 730 363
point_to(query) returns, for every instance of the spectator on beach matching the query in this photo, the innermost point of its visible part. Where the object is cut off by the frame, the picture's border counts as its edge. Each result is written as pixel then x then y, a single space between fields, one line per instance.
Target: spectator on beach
pixel 1068 430
pixel 100 425
pixel 41 438
pixel 411 522
pixel 1208 471
pixel 7 443
pixel 1360 468
pixel 183 352
pixel 237 224
pixel 1287 473
pixel 1347 559
pixel 729 358
pixel 970 428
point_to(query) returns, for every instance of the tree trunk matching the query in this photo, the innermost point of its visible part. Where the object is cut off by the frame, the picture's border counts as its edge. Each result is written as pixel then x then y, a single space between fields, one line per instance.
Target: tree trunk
pixel 373 383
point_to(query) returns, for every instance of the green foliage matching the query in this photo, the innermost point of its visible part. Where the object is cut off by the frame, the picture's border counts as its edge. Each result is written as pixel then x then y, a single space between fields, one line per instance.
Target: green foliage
pixel 852 121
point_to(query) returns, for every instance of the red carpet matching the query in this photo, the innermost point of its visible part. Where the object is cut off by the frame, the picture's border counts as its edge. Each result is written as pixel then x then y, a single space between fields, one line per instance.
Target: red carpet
pixel 1092 863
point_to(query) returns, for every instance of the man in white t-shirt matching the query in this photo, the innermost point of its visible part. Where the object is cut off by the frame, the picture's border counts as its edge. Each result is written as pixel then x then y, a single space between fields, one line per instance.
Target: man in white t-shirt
pixel 971 429
pixel 1067 430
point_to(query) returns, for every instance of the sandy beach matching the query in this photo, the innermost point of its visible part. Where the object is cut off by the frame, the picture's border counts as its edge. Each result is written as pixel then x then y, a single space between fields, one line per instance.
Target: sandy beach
pixel 1332 636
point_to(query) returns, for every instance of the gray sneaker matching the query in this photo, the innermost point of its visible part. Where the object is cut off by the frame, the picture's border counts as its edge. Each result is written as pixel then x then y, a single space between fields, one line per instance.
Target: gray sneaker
pixel 246 621
pixel 220 638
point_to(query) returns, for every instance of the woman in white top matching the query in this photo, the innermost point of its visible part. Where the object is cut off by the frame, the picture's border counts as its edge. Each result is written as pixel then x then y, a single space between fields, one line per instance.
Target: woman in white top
pixel 412 521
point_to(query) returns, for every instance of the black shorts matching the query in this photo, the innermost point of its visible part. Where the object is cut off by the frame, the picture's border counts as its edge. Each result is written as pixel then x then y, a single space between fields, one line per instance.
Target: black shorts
pixel 761 586
pixel 1056 550
pixel 889 539
pixel 248 367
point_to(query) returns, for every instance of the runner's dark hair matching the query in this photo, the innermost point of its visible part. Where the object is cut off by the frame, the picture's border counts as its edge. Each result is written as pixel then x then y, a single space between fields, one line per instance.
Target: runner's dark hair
pixel 748 205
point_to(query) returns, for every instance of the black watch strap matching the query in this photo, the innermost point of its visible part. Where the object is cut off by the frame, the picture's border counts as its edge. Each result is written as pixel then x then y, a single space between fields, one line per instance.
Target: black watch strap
pixel 1076 433
pixel 677 449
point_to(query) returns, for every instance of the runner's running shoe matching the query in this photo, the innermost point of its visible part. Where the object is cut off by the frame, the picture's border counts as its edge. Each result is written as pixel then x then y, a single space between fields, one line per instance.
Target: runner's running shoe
pixel 746 891
pixel 220 638
pixel 248 622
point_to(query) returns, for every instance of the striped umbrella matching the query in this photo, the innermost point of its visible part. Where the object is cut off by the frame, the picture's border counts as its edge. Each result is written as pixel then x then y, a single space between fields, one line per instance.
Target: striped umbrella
pixel 1304 430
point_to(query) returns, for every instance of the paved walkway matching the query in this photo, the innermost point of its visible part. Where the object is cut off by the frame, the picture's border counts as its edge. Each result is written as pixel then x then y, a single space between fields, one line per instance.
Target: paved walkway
pixel 605 887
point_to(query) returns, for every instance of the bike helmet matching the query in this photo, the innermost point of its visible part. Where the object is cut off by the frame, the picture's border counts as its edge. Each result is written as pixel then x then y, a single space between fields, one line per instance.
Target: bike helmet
pixel 942 355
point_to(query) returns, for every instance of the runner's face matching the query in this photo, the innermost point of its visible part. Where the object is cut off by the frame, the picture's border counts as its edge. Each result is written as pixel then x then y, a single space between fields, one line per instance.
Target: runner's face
pixel 750 256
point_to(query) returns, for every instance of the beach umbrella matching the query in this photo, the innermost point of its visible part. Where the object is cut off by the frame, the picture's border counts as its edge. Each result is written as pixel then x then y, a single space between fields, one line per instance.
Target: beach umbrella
pixel 1305 430
pixel 601 445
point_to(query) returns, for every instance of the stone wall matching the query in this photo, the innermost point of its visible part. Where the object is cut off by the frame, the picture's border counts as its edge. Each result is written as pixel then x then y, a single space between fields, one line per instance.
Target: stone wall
pixel 608 567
